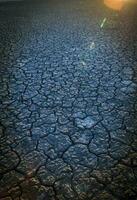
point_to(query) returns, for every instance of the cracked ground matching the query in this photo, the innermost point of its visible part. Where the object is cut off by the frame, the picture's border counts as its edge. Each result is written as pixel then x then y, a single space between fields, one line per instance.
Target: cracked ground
pixel 68 101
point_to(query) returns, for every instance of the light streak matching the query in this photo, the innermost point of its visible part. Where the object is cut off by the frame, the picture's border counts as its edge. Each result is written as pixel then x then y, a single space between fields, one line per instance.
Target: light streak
pixel 92 46
pixel 103 22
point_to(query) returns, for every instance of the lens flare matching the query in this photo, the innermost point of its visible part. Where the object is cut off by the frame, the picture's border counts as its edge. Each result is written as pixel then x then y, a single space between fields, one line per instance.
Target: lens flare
pixel 114 4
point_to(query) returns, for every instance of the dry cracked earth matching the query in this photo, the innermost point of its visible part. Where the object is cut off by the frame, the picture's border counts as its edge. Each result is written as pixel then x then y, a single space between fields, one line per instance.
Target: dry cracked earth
pixel 68 101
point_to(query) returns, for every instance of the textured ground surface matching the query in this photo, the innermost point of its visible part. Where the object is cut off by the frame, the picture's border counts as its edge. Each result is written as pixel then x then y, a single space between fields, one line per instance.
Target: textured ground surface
pixel 68 102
